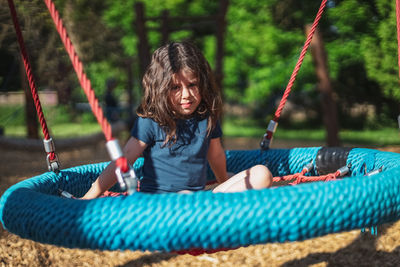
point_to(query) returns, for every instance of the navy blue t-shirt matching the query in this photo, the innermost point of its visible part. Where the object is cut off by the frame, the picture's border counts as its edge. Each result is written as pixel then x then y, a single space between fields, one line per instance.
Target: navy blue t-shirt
pixel 182 166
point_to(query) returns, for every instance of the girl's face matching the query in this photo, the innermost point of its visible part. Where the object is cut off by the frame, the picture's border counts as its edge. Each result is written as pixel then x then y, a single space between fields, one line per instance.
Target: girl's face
pixel 184 95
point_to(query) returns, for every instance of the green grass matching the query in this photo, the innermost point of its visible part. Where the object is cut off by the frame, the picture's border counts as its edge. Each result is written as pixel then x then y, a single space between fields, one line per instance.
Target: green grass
pixel 61 121
pixel 12 115
pixel 374 138
pixel 64 130
pixel 379 137
pixel 63 125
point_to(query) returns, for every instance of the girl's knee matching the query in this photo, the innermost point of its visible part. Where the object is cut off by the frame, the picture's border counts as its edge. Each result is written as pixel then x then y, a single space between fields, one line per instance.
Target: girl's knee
pixel 262 175
pixel 260 170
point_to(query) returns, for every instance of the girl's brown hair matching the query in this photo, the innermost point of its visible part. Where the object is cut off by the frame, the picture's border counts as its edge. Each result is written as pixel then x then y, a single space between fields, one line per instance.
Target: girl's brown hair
pixel 157 82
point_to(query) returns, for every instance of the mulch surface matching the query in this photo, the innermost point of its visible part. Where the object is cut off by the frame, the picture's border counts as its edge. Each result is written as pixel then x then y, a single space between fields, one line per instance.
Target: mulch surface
pixel 342 249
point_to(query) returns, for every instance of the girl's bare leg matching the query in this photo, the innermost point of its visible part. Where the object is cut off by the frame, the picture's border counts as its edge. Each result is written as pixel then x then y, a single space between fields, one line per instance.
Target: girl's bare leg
pixel 257 177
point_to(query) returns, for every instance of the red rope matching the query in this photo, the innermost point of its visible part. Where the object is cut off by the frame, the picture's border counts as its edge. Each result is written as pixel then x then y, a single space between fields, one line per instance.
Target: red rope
pixel 398 32
pixel 123 163
pixel 29 74
pixel 77 64
pixel 301 178
pixel 327 177
pixel 300 61
pixel 84 81
pixel 297 67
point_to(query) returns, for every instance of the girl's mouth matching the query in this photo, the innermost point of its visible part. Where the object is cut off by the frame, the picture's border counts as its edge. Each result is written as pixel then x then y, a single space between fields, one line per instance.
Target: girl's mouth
pixel 186 105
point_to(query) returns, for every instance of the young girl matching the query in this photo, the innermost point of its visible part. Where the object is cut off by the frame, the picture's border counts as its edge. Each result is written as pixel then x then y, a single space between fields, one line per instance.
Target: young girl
pixel 178 129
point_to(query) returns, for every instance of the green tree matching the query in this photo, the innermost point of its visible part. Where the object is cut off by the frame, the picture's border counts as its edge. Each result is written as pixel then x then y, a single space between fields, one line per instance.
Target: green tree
pixel 362 57
pixel 380 49
pixel 262 45
pixel 120 14
pixel 264 40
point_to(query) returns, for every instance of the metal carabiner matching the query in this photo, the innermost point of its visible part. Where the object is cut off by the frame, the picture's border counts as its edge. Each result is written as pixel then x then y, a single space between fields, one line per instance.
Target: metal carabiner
pixel 344 170
pixel 266 142
pixel 53 165
pixel 375 171
pixel 127 181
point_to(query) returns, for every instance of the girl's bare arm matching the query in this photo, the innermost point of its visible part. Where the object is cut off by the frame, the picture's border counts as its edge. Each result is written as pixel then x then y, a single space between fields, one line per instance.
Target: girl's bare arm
pixel 217 160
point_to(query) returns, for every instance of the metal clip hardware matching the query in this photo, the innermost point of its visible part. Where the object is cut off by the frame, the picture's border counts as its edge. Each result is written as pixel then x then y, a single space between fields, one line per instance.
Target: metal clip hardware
pixel 114 150
pixel 65 194
pixel 49 145
pixel 375 172
pixel 53 165
pixel 127 181
pixel 265 142
pixel 309 167
pixel 272 126
pixel 343 171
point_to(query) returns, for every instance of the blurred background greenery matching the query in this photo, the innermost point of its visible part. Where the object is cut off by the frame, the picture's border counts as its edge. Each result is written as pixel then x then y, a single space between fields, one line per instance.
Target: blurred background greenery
pixel 262 42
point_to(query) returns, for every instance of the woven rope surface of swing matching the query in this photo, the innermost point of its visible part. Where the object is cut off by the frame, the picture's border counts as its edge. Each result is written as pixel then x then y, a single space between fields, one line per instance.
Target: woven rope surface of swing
pixel 170 222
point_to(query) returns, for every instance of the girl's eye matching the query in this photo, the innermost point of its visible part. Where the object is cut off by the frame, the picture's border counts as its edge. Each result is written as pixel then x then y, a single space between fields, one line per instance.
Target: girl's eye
pixel 192 85
pixel 175 87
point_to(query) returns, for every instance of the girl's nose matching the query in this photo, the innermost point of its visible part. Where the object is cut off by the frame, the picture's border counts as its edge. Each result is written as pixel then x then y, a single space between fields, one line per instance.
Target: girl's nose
pixel 185 92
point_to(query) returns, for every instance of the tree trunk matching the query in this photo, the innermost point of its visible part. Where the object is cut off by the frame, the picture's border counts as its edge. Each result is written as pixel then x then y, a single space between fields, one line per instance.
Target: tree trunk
pixel 220 32
pixel 164 27
pixel 63 85
pixel 129 88
pixel 328 103
pixel 143 45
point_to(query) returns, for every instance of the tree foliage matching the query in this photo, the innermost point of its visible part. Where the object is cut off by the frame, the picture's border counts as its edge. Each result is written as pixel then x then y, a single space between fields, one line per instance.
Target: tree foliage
pixel 262 43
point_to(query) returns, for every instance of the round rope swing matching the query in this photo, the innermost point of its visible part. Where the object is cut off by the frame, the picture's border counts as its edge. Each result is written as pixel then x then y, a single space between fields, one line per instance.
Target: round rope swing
pixel 362 190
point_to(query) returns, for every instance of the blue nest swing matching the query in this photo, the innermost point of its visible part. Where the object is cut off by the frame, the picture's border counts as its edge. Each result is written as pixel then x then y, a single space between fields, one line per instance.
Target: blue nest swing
pixel 33 208
pixel 172 222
